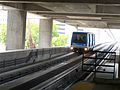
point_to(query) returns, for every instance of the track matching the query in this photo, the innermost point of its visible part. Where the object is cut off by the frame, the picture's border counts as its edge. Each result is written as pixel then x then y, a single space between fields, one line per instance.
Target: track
pixel 41 66
pixel 51 76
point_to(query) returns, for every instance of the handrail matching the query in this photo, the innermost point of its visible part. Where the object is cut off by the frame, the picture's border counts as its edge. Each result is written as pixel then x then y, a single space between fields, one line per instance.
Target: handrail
pixel 95 63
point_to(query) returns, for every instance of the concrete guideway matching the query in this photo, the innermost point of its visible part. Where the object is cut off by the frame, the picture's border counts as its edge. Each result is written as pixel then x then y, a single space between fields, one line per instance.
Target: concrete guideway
pixel 65 62
pixel 48 70
pixel 18 58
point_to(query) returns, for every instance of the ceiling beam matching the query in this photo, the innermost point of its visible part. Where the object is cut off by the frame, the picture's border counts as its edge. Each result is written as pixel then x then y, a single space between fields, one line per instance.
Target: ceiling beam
pixel 66 1
pixel 100 20
pixel 107 9
pixel 24 6
pixel 79 14
pixel 35 7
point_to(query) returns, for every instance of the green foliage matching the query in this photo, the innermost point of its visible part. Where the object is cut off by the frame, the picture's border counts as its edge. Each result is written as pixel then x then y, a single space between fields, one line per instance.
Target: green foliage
pixel 55 31
pixel 33 29
pixel 57 39
pixel 3 31
pixel 61 40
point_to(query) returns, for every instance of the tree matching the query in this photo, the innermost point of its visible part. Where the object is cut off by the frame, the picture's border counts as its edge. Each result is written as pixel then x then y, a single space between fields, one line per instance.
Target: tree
pixel 32 35
pixel 3 31
pixel 61 40
pixel 57 39
pixel 55 31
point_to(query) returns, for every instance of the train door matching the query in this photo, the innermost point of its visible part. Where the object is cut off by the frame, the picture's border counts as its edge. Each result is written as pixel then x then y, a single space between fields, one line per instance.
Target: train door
pixel 88 40
pixel 91 40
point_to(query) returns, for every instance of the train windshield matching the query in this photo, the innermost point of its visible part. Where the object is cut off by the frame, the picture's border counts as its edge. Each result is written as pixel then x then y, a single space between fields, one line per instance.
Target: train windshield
pixel 79 38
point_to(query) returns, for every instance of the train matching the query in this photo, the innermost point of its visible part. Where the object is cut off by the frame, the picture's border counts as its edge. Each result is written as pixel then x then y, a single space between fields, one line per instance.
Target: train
pixel 82 42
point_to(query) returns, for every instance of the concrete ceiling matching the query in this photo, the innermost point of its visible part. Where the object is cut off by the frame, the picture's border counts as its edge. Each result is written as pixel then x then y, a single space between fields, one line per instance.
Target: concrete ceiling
pixel 83 13
pixel 66 1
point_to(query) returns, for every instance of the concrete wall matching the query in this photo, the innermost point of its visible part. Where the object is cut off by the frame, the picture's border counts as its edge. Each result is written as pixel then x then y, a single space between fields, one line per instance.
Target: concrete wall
pixel 16 57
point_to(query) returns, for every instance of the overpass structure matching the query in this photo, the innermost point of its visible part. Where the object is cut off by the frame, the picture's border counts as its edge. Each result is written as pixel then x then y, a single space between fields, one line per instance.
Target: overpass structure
pixel 17 65
pixel 88 13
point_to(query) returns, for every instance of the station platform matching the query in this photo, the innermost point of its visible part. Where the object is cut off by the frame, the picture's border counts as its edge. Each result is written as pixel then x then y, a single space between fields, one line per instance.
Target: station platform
pixel 94 86
pixel 102 81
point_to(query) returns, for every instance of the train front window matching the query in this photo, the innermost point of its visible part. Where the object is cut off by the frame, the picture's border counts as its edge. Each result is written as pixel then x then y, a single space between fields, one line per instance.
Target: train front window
pixel 80 38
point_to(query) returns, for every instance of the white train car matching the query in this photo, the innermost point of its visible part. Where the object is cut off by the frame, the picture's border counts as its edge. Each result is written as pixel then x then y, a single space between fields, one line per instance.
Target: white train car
pixel 82 41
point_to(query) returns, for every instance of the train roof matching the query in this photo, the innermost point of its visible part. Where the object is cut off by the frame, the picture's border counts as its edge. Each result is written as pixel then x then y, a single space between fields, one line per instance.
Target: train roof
pixel 84 32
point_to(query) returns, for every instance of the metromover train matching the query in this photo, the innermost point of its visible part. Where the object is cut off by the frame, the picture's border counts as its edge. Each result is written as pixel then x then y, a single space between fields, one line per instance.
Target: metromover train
pixel 82 41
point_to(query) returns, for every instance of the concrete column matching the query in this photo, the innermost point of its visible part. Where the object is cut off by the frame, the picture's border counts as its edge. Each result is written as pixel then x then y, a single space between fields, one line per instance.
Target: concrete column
pixel 45 35
pixel 16 27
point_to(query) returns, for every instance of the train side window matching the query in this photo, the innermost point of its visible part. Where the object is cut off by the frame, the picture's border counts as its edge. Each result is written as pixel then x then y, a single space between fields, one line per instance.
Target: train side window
pixel 92 39
pixel 89 40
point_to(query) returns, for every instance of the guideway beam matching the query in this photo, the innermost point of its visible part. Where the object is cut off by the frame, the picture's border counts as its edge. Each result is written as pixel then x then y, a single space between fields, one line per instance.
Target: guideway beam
pixel 66 1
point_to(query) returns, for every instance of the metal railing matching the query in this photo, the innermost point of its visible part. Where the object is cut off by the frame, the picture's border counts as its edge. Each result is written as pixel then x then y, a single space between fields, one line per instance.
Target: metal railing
pixel 95 65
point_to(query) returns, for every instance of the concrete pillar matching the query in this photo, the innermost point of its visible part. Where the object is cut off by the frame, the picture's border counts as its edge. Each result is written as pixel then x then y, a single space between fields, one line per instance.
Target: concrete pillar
pixel 45 35
pixel 16 27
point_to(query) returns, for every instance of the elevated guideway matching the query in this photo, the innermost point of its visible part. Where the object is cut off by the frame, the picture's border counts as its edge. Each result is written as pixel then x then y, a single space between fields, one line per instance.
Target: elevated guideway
pixel 51 68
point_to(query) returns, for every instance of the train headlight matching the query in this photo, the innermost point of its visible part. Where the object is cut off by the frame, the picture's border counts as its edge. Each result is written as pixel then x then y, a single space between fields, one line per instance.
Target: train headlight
pixel 71 48
pixel 85 49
